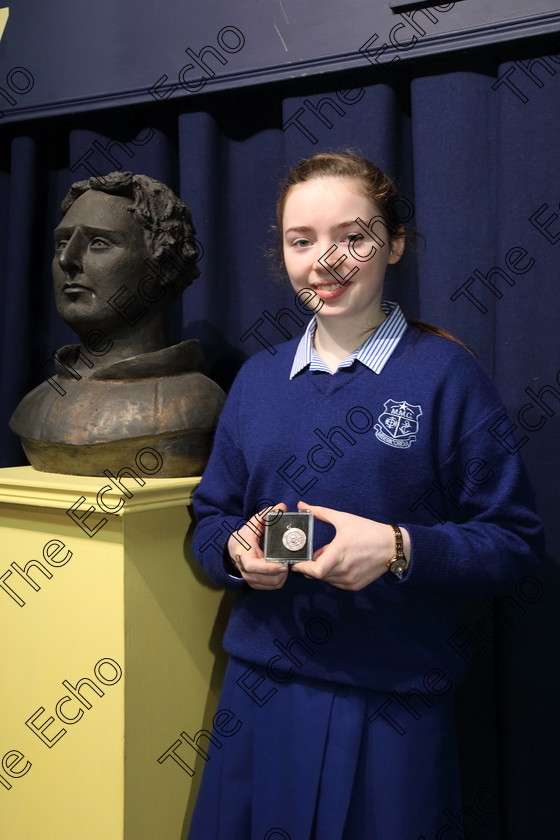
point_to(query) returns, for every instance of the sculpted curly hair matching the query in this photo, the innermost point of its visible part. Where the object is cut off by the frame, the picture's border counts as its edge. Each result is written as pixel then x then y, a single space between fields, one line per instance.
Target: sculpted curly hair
pixel 167 221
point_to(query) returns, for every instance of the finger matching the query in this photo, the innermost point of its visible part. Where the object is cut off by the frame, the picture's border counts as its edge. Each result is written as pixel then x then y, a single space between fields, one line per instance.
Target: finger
pixel 242 541
pixel 310 569
pixel 257 566
pixel 259 517
pixel 242 557
pixel 322 513
pixel 265 587
pixel 275 579
pixel 321 568
pixel 251 534
pixel 270 581
pixel 279 506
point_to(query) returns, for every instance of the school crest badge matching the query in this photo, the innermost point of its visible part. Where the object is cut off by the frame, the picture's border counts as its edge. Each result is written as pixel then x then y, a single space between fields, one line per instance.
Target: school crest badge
pixel 397 425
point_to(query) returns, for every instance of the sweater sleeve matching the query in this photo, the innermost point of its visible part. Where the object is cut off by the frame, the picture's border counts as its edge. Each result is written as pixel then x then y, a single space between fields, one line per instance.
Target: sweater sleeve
pixel 218 500
pixel 475 529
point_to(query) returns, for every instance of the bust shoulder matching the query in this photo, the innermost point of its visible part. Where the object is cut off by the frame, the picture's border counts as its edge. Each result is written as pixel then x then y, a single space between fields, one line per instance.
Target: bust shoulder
pixel 84 426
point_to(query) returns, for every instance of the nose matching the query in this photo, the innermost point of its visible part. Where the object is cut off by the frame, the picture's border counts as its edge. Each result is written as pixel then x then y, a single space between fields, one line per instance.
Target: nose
pixel 324 251
pixel 70 258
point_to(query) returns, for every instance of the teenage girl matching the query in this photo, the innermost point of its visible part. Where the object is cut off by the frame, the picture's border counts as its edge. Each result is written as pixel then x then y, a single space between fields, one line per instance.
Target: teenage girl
pixel 341 675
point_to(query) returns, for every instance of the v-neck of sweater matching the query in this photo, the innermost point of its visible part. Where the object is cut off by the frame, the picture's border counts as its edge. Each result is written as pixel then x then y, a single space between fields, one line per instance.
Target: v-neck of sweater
pixel 329 383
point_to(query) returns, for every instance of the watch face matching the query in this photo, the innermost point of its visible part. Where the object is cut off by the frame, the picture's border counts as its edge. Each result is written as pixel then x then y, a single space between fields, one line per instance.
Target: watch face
pixel 398 565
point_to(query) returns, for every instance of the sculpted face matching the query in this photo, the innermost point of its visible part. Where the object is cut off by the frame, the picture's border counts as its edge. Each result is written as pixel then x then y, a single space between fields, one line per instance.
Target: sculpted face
pixel 100 247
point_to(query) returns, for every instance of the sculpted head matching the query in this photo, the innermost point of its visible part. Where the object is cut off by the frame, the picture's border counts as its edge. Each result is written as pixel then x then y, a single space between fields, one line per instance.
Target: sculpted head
pixel 124 236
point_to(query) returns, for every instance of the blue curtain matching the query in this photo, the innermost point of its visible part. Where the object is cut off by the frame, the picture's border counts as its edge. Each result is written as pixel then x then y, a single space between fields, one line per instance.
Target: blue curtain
pixel 474 147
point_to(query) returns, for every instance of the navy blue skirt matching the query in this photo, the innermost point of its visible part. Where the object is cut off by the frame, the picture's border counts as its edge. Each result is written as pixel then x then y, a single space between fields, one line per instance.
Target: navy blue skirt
pixel 309 764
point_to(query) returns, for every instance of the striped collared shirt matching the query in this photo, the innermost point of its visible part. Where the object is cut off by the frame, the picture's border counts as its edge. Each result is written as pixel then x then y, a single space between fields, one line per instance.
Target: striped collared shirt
pixel 374 353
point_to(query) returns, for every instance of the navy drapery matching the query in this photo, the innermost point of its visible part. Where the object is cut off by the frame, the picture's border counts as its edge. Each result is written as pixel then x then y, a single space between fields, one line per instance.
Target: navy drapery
pixel 479 161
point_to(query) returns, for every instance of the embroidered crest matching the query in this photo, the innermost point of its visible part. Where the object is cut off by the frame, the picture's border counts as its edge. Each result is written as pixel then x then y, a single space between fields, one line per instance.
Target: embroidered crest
pixel 398 424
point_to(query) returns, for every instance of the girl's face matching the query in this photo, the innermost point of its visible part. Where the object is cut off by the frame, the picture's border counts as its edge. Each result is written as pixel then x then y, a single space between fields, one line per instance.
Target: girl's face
pixel 348 278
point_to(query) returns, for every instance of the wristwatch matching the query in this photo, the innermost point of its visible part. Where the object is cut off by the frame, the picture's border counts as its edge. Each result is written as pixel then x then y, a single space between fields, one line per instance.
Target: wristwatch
pixel 397 564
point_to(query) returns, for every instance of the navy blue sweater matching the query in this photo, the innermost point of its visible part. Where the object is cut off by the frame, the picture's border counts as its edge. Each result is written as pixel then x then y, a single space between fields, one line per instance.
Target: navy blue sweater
pixel 410 445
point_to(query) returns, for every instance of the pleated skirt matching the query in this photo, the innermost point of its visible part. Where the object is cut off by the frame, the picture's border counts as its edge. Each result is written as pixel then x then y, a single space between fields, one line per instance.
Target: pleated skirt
pixel 309 764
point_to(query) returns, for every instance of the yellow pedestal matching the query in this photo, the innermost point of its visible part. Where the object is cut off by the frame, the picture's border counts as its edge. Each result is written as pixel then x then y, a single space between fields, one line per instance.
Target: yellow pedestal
pixel 110 648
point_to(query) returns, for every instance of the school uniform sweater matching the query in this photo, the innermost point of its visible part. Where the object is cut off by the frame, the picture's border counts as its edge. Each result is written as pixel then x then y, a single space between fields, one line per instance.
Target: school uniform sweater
pixel 416 445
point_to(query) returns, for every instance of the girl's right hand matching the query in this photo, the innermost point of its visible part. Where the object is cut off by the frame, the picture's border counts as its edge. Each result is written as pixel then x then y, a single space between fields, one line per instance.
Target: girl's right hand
pixel 255 571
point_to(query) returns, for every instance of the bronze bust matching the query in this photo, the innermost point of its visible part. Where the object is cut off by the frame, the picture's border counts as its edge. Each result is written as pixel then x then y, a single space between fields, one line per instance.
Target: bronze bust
pixel 125 251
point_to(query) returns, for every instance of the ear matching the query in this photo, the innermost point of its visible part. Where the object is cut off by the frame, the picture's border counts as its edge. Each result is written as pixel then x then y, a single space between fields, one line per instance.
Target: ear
pixel 397 247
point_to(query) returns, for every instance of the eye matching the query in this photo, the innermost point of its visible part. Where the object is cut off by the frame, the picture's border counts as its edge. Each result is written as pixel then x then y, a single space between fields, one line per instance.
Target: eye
pixel 99 243
pixel 352 238
pixel 61 244
pixel 301 243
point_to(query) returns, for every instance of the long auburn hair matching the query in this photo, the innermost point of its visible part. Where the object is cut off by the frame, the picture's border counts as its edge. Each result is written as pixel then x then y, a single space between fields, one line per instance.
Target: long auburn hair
pixel 375 185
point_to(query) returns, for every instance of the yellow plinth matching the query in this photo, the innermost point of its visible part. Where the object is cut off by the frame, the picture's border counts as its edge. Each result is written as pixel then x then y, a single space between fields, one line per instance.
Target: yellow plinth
pixel 110 649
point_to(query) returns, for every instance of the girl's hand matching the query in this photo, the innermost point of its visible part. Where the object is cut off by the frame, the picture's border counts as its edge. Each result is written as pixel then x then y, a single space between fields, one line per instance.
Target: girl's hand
pixel 357 555
pixel 258 573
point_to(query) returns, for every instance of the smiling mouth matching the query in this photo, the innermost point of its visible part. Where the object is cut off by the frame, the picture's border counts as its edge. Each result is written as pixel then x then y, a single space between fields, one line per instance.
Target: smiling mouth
pixel 329 291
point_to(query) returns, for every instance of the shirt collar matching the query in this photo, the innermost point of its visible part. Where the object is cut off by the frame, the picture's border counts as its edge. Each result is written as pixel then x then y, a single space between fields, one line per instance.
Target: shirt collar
pixel 374 353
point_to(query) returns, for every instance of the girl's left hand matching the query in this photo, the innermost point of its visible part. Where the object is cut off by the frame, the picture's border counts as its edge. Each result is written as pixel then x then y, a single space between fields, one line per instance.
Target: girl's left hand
pixel 357 555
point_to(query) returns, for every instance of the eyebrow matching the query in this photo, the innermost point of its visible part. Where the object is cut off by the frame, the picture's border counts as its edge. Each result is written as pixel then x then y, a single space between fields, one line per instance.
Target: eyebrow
pixel 308 229
pixel 92 231
pixel 298 229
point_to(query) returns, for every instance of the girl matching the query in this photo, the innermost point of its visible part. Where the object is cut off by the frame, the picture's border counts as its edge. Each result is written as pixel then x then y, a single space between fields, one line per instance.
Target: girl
pixel 341 674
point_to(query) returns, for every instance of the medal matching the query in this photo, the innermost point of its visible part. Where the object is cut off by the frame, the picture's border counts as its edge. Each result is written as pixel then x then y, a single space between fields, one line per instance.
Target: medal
pixel 293 538
pixel 288 537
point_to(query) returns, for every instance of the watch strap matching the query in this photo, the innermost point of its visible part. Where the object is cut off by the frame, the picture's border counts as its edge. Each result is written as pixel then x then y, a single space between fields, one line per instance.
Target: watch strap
pixel 398 563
